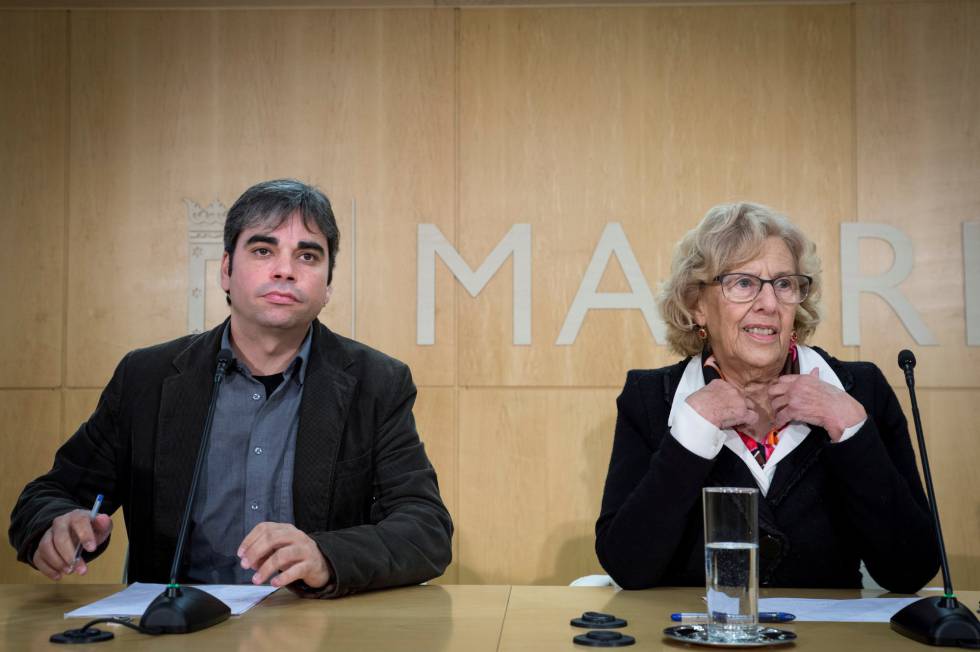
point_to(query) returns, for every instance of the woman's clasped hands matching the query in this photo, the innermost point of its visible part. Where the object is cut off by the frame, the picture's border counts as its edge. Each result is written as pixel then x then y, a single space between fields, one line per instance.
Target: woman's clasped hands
pixel 792 397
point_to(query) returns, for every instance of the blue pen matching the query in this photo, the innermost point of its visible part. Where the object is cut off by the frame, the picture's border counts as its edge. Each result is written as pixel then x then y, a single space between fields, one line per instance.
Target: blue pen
pixel 95 512
pixel 764 617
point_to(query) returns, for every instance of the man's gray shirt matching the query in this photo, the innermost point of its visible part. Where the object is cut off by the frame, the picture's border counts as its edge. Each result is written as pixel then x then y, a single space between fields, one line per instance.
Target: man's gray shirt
pixel 248 477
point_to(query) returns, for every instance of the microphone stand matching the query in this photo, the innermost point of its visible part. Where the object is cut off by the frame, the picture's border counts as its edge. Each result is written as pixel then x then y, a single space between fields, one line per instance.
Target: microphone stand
pixel 184 609
pixel 934 620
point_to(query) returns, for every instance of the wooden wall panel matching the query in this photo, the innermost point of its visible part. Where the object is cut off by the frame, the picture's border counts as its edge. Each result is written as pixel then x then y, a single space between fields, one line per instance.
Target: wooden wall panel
pixel 33 421
pixel 532 463
pixel 33 68
pixel 435 417
pixel 572 118
pixel 949 422
pixel 917 165
pixel 411 180
pixel 216 307
pixel 201 104
pixel 41 426
pixel 918 118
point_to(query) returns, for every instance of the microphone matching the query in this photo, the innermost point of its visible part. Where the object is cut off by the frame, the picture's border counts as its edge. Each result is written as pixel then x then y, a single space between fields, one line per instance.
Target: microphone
pixel 935 620
pixel 184 609
pixel 906 360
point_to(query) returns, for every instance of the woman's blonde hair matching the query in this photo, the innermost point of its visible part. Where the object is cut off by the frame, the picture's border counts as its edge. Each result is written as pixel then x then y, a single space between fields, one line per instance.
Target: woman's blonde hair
pixel 729 235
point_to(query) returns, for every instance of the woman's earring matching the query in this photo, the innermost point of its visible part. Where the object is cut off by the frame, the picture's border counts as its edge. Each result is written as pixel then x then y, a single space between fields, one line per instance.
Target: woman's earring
pixel 792 338
pixel 702 333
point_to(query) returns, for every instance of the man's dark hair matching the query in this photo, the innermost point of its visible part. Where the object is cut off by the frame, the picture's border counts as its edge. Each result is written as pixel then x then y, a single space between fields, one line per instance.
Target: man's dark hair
pixel 271 203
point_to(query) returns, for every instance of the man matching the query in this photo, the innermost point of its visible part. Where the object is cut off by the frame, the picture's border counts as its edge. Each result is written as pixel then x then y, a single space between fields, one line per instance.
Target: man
pixel 315 478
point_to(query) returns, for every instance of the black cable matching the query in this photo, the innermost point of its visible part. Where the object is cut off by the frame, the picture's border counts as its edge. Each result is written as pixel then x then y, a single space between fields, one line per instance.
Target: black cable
pixel 89 634
pixel 119 621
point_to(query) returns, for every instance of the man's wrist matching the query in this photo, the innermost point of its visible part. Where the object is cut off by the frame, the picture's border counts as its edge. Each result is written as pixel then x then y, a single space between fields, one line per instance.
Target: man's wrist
pixel 304 589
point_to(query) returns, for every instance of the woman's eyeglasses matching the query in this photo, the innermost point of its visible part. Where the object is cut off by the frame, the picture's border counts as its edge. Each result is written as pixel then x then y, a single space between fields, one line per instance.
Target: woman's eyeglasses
pixel 742 288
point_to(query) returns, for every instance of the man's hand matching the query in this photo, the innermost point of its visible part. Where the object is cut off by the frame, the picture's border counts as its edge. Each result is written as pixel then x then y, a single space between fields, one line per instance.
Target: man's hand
pixel 55 556
pixel 280 547
pixel 723 405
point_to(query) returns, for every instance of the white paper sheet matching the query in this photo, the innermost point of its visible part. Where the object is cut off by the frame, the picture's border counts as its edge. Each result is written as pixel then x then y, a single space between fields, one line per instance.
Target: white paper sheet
pixel 860 610
pixel 134 599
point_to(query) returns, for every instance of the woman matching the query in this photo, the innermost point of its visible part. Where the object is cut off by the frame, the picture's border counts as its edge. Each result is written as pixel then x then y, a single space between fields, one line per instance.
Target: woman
pixel 824 441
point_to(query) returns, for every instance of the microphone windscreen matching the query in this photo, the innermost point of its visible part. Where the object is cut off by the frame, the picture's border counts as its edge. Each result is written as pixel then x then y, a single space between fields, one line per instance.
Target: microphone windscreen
pixel 226 361
pixel 906 359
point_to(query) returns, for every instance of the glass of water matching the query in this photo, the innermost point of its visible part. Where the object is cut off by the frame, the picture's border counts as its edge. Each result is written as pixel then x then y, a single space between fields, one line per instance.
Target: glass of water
pixel 731 562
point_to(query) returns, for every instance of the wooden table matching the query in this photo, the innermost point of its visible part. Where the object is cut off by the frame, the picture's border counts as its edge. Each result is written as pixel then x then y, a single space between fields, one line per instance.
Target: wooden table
pixel 537 619
pixel 424 618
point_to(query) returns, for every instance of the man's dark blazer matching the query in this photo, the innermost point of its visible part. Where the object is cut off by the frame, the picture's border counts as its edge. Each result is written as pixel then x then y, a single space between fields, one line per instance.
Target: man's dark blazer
pixel 829 506
pixel 363 487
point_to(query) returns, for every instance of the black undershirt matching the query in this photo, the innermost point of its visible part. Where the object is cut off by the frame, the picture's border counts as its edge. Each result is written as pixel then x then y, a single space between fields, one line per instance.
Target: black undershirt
pixel 270 382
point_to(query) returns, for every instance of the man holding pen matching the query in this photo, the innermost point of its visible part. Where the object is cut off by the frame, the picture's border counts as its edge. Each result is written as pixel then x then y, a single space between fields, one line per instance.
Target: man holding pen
pixel 315 478
pixel 78 547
